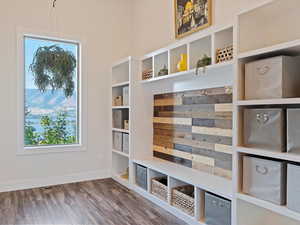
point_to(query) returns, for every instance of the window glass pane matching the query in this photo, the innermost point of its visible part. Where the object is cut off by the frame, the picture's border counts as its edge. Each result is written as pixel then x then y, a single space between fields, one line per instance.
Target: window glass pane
pixel 51 92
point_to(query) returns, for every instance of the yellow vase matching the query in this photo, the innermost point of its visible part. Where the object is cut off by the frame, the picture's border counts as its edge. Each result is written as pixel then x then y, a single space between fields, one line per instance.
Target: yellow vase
pixel 182 64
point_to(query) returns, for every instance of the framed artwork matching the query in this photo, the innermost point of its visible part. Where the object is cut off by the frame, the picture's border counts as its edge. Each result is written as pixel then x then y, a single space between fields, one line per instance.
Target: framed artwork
pixel 192 16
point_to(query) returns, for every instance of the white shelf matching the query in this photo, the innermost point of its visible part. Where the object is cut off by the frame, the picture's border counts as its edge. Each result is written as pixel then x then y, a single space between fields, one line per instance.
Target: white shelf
pixel 120 153
pixel 120 130
pixel 189 73
pixel 121 107
pixel 166 206
pixel 281 101
pixel 277 155
pixel 121 180
pixel 282 210
pixel 291 48
pixel 122 84
pixel 205 181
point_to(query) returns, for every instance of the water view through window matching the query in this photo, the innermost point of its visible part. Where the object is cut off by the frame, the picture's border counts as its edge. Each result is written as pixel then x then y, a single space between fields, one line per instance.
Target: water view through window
pixel 51 92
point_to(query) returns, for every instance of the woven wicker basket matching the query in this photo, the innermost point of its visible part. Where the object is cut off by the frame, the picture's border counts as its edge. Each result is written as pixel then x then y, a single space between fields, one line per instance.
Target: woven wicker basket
pixel 224 54
pixel 159 187
pixel 147 74
pixel 183 199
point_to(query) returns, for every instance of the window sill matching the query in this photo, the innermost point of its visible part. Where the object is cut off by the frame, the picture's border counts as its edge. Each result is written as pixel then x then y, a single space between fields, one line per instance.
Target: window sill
pixel 51 149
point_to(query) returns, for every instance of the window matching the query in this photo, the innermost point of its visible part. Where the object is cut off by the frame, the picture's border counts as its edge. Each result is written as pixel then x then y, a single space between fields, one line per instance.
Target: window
pixel 51 92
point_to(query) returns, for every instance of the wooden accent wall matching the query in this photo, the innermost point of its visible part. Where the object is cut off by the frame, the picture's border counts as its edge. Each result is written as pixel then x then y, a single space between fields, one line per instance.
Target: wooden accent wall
pixel 194 129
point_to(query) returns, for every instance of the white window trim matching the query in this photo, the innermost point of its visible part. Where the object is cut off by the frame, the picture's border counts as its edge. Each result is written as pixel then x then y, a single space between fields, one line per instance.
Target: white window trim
pixel 82 98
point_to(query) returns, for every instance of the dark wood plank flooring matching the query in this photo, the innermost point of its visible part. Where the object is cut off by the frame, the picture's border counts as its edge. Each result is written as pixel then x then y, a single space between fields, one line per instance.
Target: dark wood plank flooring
pixel 101 202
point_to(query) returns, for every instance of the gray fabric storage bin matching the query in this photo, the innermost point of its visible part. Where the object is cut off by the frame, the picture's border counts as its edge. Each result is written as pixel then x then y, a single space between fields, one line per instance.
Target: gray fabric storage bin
pixel 293 130
pixel 265 129
pixel 117 141
pixel 118 118
pixel 141 176
pixel 126 95
pixel 126 143
pixel 217 210
pixel 276 77
pixel 293 187
pixel 265 179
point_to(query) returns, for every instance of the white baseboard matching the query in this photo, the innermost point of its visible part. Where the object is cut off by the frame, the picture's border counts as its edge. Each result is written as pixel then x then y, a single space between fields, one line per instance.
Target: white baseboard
pixel 50 181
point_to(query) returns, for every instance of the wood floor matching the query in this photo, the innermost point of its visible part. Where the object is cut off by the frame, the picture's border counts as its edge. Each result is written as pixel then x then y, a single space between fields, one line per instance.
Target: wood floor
pixel 101 202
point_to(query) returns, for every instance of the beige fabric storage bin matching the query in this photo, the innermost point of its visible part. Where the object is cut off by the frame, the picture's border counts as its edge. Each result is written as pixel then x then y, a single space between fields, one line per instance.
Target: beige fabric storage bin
pixel 293 130
pixel 277 77
pixel 265 129
pixel 293 187
pixel 265 179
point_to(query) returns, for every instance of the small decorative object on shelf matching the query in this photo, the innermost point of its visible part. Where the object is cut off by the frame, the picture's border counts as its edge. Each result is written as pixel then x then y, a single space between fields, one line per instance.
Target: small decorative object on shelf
pixel 125 175
pixel 182 64
pixel 164 71
pixel 118 101
pixel 183 198
pixel 147 74
pixel 224 54
pixel 202 63
pixel 126 124
pixel 159 187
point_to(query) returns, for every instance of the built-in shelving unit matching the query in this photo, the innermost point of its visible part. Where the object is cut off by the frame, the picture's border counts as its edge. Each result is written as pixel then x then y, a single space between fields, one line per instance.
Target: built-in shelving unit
pixel 246 210
pixel 248 51
pixel 195 48
pixel 121 88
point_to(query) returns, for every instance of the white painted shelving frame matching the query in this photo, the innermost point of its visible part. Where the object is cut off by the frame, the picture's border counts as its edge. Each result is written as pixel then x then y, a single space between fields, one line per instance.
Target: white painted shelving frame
pixel 246 210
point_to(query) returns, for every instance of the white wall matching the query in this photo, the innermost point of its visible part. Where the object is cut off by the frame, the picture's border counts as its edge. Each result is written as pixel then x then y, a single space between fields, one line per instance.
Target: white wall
pixel 154 28
pixel 100 23
pixel 112 29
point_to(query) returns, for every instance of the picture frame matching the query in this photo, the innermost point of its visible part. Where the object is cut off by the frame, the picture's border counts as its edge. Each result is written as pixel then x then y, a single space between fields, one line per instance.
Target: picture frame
pixel 191 16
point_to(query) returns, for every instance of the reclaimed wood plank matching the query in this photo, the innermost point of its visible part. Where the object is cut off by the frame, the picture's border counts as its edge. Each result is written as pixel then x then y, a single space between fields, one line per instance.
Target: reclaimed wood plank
pixel 179 121
pixel 181 161
pixel 173 152
pixel 212 131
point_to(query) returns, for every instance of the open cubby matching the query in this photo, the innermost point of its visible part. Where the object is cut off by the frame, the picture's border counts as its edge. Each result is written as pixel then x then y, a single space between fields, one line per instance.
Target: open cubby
pixel 257 29
pixel 123 92
pixel 147 66
pixel 223 39
pixel 161 61
pixel 120 73
pixel 198 49
pixel 175 57
pixel 119 118
pixel 120 168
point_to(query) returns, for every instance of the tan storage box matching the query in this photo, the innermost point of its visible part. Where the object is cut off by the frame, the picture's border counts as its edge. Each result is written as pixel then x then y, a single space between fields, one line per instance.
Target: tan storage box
pixel 277 77
pixel 118 101
pixel 265 129
pixel 265 179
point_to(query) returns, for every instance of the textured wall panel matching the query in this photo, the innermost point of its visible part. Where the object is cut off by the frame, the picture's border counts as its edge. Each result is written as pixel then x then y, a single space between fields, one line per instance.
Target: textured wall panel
pixel 194 129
